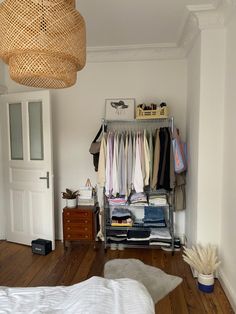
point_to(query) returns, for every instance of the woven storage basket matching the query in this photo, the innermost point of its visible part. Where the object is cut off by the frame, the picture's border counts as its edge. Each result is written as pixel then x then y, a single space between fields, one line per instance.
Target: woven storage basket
pixel 43 41
pixel 159 113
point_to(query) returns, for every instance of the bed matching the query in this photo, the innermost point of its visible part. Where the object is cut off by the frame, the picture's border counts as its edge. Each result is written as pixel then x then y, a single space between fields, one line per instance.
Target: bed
pixel 96 295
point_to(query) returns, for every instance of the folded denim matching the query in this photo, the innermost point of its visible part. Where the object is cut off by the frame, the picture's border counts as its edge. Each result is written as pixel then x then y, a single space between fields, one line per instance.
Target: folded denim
pixel 154 212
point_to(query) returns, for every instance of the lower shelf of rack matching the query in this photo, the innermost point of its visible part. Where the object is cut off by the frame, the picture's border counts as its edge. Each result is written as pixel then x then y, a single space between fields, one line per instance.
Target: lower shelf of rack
pixel 131 246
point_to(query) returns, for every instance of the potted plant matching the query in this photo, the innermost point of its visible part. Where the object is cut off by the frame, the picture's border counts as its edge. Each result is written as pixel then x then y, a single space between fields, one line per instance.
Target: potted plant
pixel 205 261
pixel 71 197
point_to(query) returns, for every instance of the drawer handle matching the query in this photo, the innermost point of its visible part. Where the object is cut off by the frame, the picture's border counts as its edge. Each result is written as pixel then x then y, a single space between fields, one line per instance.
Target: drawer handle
pixel 86 236
pixel 68 228
pixel 86 214
pixel 68 236
pixel 68 220
pixel 85 229
pixel 86 221
pixel 68 214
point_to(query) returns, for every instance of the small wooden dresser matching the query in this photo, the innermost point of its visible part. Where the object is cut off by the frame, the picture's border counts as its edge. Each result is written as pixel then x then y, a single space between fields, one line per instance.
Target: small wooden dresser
pixel 80 223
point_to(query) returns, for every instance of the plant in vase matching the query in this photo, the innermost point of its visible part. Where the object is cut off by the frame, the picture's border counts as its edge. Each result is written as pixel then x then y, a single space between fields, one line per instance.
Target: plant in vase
pixel 71 197
pixel 205 261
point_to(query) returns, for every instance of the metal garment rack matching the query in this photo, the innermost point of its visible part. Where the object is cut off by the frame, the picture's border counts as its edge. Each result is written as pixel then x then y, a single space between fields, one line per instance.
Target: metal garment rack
pixel 137 124
pixel 125 125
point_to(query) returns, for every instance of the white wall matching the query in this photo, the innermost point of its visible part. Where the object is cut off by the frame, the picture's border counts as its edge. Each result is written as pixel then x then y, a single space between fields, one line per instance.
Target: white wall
pixel 210 144
pixel 228 216
pixel 206 64
pixel 77 112
pixel 192 124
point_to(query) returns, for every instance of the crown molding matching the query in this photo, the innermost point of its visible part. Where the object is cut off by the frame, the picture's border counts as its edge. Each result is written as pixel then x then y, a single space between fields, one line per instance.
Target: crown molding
pixel 204 7
pixel 189 34
pixel 205 16
pixel 214 15
pixel 134 53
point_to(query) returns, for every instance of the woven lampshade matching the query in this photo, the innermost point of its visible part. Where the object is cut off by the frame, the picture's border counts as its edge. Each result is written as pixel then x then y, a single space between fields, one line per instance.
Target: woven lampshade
pixel 43 41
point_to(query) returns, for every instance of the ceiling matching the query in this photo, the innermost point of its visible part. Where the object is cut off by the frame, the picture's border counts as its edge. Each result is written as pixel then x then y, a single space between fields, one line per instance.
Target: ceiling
pixel 135 22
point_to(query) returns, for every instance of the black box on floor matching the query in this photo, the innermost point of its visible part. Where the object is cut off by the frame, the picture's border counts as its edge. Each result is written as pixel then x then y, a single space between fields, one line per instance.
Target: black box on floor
pixel 41 246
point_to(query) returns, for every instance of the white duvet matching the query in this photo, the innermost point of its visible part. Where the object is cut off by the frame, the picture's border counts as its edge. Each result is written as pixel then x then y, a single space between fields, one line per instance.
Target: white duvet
pixel 93 296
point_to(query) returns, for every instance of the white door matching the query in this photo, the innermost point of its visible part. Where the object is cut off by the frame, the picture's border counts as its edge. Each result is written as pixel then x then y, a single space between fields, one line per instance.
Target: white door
pixel 28 177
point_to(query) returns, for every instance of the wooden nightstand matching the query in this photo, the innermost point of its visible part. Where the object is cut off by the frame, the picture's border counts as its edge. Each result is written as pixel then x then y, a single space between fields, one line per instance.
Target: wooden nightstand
pixel 80 223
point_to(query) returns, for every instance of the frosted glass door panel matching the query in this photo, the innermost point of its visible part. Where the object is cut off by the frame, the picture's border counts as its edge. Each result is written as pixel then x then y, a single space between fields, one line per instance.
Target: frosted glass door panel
pixel 36 130
pixel 16 139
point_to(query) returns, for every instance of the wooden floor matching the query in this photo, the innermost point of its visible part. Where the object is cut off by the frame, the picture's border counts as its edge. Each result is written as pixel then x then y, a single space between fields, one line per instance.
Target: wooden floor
pixel 19 267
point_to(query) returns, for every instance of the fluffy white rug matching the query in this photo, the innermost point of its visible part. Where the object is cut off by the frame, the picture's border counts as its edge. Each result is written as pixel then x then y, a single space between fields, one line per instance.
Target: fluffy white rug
pixel 157 282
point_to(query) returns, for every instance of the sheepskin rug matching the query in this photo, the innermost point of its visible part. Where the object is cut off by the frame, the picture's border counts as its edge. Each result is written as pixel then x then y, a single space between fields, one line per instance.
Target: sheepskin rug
pixel 157 282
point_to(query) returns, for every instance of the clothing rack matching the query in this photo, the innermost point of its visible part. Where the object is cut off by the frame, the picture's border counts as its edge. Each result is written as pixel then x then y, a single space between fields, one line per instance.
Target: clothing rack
pixel 137 124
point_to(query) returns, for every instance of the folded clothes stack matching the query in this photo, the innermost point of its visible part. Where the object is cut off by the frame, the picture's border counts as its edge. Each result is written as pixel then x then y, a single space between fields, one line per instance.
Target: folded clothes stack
pixel 160 237
pixel 157 199
pixel 138 199
pixel 154 216
pixel 138 237
pixel 117 201
pixel 121 217
pixel 116 236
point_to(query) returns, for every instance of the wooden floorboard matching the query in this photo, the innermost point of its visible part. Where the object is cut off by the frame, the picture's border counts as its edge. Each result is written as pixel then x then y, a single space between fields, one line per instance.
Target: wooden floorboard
pixel 20 268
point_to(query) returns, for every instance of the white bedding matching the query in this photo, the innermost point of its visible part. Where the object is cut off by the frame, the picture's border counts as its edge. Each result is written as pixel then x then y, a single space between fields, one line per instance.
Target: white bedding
pixel 93 296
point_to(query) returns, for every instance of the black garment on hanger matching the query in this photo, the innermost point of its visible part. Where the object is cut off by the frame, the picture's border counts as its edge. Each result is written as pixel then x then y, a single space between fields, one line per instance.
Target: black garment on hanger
pixel 163 181
pixel 95 147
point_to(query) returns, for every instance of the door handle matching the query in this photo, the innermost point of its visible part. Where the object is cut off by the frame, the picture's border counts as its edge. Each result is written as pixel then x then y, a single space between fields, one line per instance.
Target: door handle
pixel 46 178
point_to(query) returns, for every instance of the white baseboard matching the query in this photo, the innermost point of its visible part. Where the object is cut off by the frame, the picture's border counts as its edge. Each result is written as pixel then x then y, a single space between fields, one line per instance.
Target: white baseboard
pixel 230 293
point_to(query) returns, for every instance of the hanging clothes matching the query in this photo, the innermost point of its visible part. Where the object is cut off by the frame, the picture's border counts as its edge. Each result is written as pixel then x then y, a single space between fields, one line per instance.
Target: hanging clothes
pixel 146 152
pixel 102 161
pixel 115 178
pixel 132 160
pixel 150 145
pixel 122 182
pixel 138 176
pixel 164 167
pixel 156 160
pixel 109 163
pixel 129 163
pixel 179 192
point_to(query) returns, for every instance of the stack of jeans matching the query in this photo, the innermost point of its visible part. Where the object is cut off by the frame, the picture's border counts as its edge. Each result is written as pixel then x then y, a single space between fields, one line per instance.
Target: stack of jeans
pixel 154 216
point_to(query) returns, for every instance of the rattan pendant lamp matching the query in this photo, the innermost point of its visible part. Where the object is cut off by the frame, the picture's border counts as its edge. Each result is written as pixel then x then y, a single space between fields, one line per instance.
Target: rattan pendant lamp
pixel 43 41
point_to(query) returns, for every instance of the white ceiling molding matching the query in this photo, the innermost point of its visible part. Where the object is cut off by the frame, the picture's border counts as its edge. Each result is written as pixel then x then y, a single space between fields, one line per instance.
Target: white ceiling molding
pixel 215 15
pixel 204 7
pixel 190 32
pixel 203 16
pixel 134 53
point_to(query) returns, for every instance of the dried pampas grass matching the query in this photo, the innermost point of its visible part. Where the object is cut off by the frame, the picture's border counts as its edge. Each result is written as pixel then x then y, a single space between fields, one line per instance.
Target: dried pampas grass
pixel 203 259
